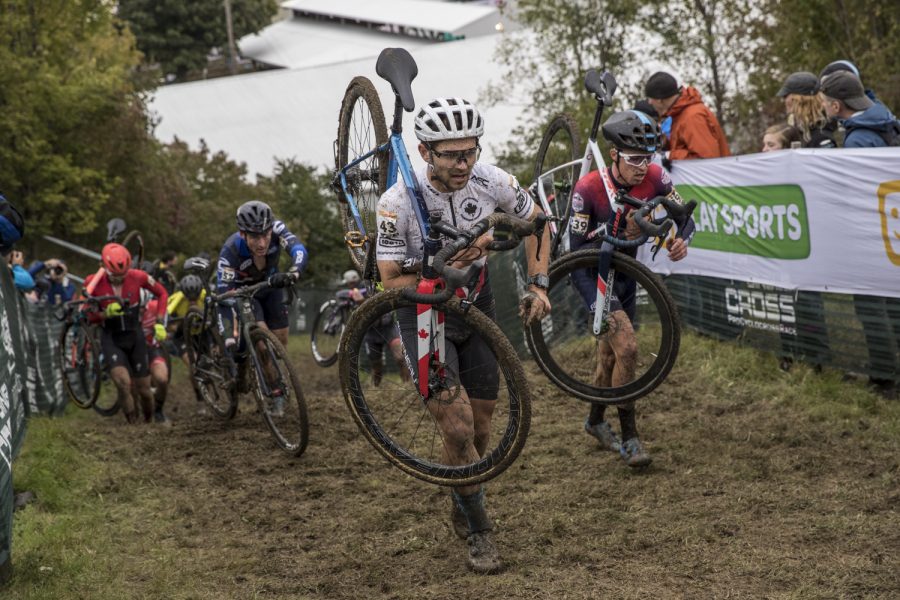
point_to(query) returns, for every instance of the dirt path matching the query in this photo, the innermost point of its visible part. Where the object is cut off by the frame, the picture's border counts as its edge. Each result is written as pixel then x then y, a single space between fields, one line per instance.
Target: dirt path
pixel 747 497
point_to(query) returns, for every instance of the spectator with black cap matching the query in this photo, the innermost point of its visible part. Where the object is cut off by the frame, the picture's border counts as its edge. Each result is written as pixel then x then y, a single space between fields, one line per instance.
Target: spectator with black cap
pixel 846 65
pixel 867 124
pixel 804 110
pixel 695 131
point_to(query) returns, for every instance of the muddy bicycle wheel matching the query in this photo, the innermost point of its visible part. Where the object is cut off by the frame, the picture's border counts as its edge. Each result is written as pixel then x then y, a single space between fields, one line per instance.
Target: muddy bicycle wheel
pixel 328 327
pixel 561 144
pixel 361 129
pixel 211 367
pixel 404 427
pixel 108 404
pixel 280 398
pixel 79 360
pixel 567 351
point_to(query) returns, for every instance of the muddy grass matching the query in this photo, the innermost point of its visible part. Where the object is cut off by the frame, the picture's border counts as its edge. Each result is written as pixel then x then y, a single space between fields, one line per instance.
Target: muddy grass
pixel 763 484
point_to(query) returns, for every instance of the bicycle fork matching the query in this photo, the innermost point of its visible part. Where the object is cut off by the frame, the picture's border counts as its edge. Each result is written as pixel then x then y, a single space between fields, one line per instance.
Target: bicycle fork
pixel 430 342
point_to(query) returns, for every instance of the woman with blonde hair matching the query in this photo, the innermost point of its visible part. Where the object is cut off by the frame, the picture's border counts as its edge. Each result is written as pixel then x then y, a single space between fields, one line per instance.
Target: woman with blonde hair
pixel 804 110
pixel 781 137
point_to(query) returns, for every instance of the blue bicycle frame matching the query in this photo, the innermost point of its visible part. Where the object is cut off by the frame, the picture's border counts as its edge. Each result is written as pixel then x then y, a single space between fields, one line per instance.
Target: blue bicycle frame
pixel 398 160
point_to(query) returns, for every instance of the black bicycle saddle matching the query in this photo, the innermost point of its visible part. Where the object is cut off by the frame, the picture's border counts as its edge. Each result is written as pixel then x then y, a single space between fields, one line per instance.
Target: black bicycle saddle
pixel 603 85
pixel 397 66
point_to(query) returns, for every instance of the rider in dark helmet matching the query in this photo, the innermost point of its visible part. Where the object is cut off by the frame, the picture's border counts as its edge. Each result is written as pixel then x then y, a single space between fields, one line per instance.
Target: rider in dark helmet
pixel 255 217
pixel 191 286
pixel 632 130
pixel 250 256
pixel 633 138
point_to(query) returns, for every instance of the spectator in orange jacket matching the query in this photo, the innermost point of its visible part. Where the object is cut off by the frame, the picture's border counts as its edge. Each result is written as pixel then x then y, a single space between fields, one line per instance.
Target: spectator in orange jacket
pixel 696 132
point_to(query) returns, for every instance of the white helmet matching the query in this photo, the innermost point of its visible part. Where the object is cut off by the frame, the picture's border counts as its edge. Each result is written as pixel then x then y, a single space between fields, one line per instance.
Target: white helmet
pixel 448 119
pixel 350 277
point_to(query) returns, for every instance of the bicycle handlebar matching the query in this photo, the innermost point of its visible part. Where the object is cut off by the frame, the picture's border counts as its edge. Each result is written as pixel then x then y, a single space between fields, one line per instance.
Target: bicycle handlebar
pixel 455 278
pixel 72 305
pixel 649 228
pixel 241 292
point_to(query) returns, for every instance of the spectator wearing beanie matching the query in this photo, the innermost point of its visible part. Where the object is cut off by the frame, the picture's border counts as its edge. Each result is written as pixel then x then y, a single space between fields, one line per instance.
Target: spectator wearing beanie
pixel 804 110
pixel 695 132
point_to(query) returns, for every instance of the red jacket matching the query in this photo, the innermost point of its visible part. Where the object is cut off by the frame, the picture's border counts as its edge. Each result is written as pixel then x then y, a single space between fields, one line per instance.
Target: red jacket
pixel 696 132
pixel 134 281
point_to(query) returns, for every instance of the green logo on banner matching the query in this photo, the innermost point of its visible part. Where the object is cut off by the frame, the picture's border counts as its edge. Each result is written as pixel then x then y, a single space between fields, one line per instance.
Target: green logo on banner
pixel 762 220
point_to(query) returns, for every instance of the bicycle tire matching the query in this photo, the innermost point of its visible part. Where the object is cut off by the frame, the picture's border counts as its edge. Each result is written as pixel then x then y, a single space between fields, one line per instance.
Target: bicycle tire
pixel 79 360
pixel 108 406
pixel 290 429
pixel 355 138
pixel 137 258
pixel 381 423
pixel 561 144
pixel 322 353
pixel 213 381
pixel 567 303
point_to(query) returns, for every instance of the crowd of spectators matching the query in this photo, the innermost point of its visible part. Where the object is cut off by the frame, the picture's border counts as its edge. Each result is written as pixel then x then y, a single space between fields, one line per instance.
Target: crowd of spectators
pixel 831 110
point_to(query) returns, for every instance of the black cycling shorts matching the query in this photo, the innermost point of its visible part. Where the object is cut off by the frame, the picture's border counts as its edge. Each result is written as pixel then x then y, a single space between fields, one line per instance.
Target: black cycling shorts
pixel 270 307
pixel 469 360
pixel 125 349
pixel 155 354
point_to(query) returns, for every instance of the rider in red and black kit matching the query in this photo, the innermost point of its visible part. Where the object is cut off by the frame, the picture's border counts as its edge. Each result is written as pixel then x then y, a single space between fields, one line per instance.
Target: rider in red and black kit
pixel 633 138
pixel 121 337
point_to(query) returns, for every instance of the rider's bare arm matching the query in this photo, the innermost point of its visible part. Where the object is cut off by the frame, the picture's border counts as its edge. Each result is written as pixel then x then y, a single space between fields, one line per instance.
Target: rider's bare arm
pixel 394 274
pixel 538 264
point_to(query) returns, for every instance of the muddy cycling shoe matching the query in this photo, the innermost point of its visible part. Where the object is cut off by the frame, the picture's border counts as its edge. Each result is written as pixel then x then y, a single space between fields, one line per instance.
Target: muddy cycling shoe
pixel 634 455
pixel 605 435
pixel 458 520
pixel 276 408
pixel 160 417
pixel 483 555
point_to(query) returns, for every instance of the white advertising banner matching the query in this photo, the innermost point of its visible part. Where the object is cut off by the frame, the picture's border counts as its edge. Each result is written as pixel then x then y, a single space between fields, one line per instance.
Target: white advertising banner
pixel 823 220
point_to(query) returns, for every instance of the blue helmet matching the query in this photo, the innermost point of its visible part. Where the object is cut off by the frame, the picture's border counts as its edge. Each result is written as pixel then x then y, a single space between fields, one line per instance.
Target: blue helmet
pixel 632 130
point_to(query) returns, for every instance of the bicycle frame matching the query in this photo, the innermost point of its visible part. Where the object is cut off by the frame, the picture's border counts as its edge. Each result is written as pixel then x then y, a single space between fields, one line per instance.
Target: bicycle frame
pixel 246 322
pixel 430 323
pixel 398 160
pixel 605 274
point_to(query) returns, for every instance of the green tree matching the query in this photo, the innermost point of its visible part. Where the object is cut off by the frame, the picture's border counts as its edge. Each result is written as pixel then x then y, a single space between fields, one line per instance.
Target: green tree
pixel 302 198
pixel 178 35
pixel 546 63
pixel 806 35
pixel 68 110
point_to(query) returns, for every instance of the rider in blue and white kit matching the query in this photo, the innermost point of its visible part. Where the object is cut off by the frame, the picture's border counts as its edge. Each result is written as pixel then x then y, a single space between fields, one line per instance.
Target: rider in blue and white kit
pixel 250 255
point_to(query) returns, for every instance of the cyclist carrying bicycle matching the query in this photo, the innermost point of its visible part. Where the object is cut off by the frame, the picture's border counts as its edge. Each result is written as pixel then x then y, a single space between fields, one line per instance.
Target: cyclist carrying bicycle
pixel 249 256
pixel 461 191
pixel 633 137
pixel 121 336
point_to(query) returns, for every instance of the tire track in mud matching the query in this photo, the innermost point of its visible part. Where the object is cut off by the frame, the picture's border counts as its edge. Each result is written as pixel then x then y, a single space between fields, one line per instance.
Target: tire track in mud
pixel 747 496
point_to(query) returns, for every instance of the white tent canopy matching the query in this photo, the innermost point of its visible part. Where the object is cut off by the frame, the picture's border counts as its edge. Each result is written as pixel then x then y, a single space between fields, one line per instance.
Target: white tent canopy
pixel 426 17
pixel 285 114
pixel 301 43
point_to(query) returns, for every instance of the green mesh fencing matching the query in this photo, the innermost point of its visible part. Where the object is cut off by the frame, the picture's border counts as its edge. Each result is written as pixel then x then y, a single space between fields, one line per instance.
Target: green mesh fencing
pixel 853 333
